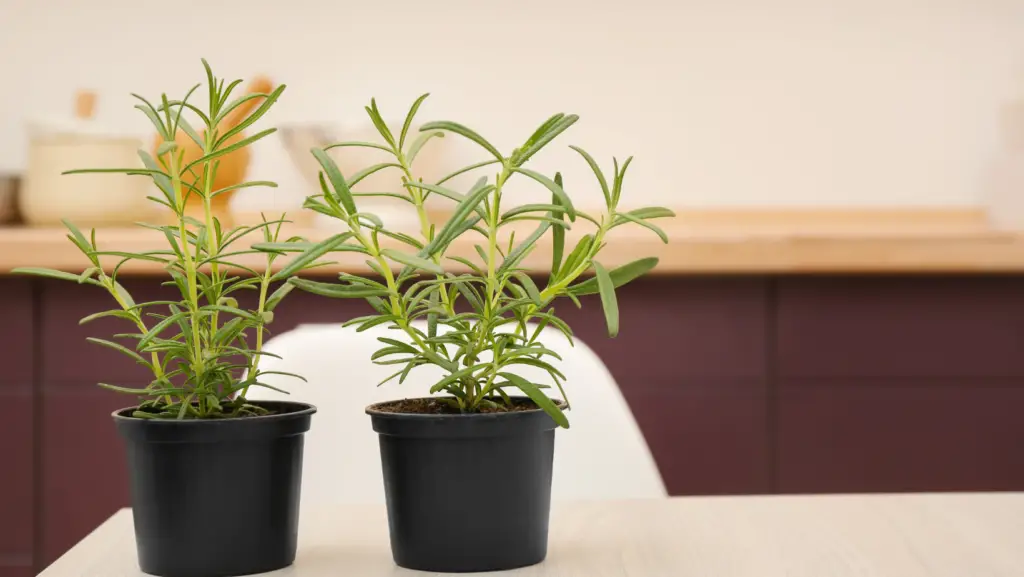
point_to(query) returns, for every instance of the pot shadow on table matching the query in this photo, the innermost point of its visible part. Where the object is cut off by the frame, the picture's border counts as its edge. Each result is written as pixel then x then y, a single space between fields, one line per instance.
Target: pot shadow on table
pixel 350 559
pixel 364 559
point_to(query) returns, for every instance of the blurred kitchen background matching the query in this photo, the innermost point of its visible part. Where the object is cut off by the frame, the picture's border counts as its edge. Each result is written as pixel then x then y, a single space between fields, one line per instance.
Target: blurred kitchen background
pixel 841 305
pixel 734 103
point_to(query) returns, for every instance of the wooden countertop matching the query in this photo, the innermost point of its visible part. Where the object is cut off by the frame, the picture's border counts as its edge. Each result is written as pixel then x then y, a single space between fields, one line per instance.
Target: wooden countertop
pixel 701 242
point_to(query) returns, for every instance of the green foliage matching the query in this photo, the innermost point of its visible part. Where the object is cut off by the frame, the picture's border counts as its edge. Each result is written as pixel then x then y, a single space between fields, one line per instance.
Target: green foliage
pixel 480 346
pixel 203 349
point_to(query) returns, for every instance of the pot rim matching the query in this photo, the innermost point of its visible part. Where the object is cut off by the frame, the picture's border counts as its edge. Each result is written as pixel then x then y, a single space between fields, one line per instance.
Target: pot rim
pixel 307 409
pixel 460 425
pixel 204 431
pixel 374 412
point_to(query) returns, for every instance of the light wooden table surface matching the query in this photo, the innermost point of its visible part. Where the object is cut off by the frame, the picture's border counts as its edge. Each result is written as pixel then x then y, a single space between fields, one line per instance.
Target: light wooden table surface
pixel 956 535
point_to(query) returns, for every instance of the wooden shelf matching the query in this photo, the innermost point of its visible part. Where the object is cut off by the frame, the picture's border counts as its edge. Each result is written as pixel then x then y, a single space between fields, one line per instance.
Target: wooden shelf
pixel 701 242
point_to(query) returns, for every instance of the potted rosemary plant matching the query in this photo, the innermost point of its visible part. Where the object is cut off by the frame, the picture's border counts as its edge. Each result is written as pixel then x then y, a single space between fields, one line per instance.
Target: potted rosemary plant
pixel 215 478
pixel 468 472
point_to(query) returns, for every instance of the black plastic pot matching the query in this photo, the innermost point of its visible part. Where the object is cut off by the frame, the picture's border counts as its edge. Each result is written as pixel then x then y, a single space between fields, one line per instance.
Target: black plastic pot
pixel 466 492
pixel 216 498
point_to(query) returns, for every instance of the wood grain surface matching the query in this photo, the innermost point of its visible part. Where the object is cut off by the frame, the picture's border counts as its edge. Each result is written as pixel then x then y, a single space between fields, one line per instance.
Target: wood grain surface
pixel 923 535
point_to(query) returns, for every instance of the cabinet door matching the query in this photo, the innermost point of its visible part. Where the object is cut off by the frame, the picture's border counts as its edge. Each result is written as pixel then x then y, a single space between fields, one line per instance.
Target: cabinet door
pixel 19 569
pixel 707 437
pixel 900 384
pixel 17 485
pixel 17 340
pixel 17 424
pixel 960 328
pixel 856 436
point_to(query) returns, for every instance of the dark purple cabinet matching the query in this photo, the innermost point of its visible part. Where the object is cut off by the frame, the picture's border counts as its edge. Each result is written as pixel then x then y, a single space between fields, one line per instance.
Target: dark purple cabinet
pixel 680 327
pixel 18 568
pixel 959 328
pixel 707 438
pixel 17 487
pixel 741 385
pixel 901 435
pixel 900 384
pixel 18 482
pixel 18 338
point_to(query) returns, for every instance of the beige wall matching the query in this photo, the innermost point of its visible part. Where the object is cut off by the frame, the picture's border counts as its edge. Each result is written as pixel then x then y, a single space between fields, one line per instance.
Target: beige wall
pixel 723 102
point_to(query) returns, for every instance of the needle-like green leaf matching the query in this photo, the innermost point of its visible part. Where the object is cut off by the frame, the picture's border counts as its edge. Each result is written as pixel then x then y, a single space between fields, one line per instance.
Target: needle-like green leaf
pixel 119 348
pixel 519 253
pixel 408 121
pixel 417 145
pixel 413 261
pixel 657 230
pixel 355 178
pixel 341 190
pixel 50 273
pixel 556 190
pixel 597 173
pixel 337 290
pixel 465 132
pixel 619 276
pixel 537 396
pixel 310 255
pixel 469 168
pixel 651 212
pixel 378 122
pixel 608 299
pixel 558 127
pixel 358 145
pixel 558 233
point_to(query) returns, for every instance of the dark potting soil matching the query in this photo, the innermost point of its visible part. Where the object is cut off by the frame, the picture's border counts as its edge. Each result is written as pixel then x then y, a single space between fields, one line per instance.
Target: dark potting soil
pixel 436 407
pixel 270 407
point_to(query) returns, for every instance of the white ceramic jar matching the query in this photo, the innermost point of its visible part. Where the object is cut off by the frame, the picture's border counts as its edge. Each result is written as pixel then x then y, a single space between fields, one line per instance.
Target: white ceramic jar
pixel 47 196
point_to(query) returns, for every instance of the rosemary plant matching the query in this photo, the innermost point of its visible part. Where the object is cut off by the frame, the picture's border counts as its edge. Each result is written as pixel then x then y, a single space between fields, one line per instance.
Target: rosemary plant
pixel 203 349
pixel 481 344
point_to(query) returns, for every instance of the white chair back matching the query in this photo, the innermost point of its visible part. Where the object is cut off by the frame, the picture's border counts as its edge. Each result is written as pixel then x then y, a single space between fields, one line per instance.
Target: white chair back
pixel 602 456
